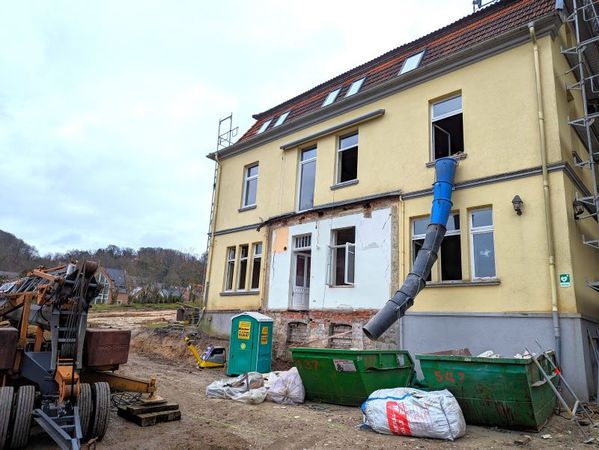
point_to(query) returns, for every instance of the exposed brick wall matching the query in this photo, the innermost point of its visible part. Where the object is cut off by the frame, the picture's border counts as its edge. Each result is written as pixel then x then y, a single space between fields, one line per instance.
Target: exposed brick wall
pixel 312 328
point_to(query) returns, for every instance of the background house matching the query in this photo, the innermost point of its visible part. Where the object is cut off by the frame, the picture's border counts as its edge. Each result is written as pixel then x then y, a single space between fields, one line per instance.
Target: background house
pixel 114 282
pixel 321 206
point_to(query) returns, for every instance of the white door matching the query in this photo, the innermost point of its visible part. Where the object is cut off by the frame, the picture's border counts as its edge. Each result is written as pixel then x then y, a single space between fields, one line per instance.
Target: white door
pixel 300 292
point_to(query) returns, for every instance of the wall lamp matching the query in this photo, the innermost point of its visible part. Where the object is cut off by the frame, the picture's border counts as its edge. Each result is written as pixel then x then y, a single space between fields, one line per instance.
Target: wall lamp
pixel 578 208
pixel 517 204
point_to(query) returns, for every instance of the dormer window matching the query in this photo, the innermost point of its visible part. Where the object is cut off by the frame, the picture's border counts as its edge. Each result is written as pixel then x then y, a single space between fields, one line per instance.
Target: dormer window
pixel 281 118
pixel 264 126
pixel 331 97
pixel 411 63
pixel 355 87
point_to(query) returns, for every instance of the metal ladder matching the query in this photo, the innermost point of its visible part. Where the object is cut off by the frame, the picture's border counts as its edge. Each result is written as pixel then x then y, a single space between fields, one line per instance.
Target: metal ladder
pixel 574 410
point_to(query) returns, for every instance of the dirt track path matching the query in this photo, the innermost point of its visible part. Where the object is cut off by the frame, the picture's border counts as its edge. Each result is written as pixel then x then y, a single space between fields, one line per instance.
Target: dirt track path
pixel 223 424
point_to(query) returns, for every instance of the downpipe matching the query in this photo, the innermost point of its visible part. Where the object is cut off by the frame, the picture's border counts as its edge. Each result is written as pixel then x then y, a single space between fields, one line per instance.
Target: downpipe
pixel 546 196
pixel 396 307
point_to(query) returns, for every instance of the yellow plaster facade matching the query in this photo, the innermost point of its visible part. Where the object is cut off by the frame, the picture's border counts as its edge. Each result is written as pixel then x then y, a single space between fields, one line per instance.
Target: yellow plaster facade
pixel 501 136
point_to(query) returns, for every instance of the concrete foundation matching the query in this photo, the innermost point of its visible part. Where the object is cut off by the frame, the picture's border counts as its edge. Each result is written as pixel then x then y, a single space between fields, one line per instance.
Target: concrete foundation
pixel 507 334
pixel 218 323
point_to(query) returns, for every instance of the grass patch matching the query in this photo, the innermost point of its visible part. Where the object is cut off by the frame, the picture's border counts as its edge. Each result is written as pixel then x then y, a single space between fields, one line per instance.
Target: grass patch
pixel 138 307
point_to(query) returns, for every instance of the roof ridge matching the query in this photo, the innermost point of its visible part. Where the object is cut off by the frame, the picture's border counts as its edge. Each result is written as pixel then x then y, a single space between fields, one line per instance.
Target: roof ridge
pixel 387 55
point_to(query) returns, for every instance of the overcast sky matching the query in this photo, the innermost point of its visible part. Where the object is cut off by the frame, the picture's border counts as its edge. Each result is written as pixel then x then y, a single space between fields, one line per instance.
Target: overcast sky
pixel 108 108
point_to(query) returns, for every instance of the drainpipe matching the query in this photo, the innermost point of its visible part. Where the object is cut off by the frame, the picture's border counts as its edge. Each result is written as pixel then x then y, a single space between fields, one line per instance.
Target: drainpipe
pixel 215 192
pixel 546 196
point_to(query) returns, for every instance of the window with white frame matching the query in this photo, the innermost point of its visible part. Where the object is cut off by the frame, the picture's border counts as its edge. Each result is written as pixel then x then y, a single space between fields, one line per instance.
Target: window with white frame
pixel 447 127
pixel 307 176
pixel 256 264
pixel 355 87
pixel 411 63
pixel 281 119
pixel 250 185
pixel 264 126
pixel 342 258
pixel 450 254
pixel 331 97
pixel 451 250
pixel 482 247
pixel 419 227
pixel 243 267
pixel 230 268
pixel 347 158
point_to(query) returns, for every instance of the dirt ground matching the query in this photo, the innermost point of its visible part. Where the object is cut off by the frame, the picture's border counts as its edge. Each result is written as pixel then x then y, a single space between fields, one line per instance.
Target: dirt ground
pixel 224 424
pixel 129 320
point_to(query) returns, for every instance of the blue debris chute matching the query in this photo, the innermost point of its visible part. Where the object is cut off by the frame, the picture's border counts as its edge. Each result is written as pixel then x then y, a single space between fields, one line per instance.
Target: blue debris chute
pixel 403 299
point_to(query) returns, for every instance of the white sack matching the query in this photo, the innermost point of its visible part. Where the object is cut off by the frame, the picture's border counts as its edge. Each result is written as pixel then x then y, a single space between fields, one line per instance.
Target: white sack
pixel 286 387
pixel 246 388
pixel 411 412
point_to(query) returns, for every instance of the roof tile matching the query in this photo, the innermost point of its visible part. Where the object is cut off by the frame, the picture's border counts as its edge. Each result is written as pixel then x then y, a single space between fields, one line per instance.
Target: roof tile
pixel 485 24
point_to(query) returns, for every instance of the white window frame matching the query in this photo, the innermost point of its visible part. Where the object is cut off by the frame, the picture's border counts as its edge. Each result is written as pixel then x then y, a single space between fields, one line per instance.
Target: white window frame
pixel 340 150
pixel 230 267
pixel 481 230
pixel 450 233
pixel 355 87
pixel 331 97
pixel 281 119
pixel 264 126
pixel 255 256
pixel 411 62
pixel 332 261
pixel 299 174
pixel 417 237
pixel 246 180
pixel 241 258
pixel 441 117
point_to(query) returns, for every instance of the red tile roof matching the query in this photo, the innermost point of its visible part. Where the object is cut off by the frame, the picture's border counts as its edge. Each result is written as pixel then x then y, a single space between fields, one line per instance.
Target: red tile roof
pixel 485 24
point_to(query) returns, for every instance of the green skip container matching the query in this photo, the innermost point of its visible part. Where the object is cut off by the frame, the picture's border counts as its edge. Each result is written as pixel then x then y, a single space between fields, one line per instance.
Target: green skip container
pixel 348 377
pixel 502 392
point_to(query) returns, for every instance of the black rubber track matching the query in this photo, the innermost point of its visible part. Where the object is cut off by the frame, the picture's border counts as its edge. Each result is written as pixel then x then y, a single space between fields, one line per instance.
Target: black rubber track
pixel 101 395
pixel 6 395
pixel 86 406
pixel 22 412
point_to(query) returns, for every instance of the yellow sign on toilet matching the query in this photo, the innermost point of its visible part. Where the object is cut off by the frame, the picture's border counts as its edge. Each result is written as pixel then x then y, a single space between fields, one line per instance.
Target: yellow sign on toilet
pixel 243 332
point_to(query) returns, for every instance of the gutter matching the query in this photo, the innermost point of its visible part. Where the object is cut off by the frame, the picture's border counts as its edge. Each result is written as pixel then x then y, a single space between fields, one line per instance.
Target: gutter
pixel 546 196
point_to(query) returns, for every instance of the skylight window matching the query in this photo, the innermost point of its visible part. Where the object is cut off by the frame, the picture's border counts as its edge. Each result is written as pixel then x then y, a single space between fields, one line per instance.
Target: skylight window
pixel 331 97
pixel 264 126
pixel 411 63
pixel 355 87
pixel 281 118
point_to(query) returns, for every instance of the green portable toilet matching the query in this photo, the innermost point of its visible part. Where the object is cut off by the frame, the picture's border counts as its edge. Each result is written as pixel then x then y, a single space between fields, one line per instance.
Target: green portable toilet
pixel 250 346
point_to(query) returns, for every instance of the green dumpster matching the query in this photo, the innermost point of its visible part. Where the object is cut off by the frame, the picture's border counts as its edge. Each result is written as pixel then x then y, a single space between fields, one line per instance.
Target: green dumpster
pixel 502 392
pixel 348 377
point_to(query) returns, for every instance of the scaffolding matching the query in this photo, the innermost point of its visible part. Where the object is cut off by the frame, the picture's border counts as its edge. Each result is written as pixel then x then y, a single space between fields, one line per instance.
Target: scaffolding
pixel 583 56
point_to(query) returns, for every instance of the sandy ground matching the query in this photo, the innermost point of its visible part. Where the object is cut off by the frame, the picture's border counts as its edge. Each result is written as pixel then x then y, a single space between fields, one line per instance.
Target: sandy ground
pixel 129 320
pixel 224 424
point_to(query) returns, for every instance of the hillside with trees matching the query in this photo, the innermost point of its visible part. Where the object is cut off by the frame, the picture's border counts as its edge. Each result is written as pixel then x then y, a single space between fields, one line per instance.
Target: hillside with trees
pixel 148 265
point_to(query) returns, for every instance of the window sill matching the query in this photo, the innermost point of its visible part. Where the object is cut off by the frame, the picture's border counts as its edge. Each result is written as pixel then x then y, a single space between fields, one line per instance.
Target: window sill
pixel 342 286
pixel 457 157
pixel 344 184
pixel 238 293
pixel 465 283
pixel 246 208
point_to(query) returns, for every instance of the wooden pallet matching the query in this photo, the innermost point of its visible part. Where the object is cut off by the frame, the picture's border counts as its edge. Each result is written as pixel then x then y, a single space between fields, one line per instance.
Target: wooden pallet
pixel 146 415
